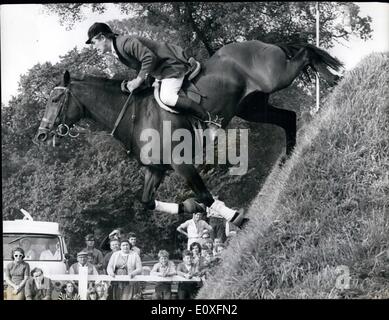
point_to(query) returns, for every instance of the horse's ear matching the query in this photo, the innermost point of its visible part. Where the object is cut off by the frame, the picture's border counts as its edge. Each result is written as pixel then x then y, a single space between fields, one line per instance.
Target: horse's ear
pixel 66 78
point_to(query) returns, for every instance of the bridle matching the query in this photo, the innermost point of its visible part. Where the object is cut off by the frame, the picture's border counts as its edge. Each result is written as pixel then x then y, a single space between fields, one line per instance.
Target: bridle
pixel 61 112
pixel 63 129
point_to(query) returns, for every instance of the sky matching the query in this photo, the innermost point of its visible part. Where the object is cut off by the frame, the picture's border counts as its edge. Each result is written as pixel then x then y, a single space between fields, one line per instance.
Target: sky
pixel 30 36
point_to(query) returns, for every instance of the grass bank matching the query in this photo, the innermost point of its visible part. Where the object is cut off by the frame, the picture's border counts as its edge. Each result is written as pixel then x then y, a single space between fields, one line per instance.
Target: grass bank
pixel 323 217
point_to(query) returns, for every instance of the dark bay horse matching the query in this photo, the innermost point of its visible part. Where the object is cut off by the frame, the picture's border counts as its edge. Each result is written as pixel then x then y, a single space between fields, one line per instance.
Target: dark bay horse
pixel 236 81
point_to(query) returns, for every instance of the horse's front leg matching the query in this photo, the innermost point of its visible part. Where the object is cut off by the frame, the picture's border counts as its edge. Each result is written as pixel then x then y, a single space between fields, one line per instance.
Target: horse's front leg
pixel 153 178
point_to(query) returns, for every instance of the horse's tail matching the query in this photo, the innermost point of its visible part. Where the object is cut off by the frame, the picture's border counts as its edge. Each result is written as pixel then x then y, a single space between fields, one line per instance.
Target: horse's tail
pixel 320 60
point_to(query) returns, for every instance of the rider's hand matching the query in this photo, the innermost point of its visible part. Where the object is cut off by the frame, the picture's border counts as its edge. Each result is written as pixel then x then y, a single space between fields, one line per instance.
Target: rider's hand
pixel 133 84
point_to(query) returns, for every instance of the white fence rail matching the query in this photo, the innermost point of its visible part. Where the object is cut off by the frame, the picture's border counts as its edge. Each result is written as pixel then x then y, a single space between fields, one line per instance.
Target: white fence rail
pixel 83 278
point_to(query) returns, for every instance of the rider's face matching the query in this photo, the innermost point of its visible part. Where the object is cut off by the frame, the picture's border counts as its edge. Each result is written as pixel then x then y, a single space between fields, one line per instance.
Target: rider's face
pixel 101 44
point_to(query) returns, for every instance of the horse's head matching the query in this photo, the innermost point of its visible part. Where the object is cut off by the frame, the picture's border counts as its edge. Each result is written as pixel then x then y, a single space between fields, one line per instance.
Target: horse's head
pixel 63 110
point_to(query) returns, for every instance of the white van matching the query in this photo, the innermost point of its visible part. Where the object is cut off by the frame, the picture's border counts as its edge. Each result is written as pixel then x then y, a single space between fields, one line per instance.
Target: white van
pixel 42 242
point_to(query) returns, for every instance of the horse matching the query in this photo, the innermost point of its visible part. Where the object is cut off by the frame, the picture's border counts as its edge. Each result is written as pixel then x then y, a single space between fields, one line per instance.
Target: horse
pixel 236 81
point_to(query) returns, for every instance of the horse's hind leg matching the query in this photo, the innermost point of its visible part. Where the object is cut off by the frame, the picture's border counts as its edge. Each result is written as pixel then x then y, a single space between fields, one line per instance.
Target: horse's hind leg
pixel 196 183
pixel 256 109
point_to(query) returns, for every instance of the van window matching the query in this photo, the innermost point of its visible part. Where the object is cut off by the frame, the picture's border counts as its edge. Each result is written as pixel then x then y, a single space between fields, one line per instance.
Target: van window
pixel 36 247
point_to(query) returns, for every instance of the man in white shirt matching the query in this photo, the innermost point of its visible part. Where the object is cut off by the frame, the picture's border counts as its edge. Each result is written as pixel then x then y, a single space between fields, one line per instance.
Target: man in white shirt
pixel 53 252
pixel 195 228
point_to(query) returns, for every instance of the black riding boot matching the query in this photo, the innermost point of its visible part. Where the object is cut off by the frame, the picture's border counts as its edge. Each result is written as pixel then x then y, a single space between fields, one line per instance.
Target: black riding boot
pixel 188 105
pixel 184 103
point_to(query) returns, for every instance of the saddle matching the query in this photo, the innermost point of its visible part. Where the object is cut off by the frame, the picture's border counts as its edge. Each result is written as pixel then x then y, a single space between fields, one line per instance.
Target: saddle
pixel 191 91
pixel 188 87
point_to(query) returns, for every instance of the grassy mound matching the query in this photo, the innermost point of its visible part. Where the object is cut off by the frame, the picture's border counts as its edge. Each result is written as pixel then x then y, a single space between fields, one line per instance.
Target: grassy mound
pixel 323 217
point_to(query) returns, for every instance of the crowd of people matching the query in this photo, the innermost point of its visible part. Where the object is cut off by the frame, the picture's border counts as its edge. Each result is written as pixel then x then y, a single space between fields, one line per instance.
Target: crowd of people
pixel 123 257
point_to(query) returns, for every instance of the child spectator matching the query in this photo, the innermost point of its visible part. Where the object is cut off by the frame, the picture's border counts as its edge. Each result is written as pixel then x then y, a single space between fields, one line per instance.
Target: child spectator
pixel 92 294
pixel 164 268
pixel 195 248
pixel 219 249
pixel 216 242
pixel 101 290
pixel 188 270
pixel 69 292
pixel 132 240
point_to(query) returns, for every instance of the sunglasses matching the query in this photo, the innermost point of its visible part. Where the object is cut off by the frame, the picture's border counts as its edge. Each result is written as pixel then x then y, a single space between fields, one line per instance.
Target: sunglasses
pixel 18 255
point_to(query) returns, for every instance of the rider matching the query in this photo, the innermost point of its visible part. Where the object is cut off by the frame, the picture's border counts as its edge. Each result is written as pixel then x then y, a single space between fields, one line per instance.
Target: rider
pixel 163 61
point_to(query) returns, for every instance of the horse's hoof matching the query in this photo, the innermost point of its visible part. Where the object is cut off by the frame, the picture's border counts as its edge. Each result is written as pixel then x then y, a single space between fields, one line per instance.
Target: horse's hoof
pixel 240 220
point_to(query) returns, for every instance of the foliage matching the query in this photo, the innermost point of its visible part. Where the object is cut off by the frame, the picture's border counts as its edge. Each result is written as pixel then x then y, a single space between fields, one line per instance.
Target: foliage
pixel 209 25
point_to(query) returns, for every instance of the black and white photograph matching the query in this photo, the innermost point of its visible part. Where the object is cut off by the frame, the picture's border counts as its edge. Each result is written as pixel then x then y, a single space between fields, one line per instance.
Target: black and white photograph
pixel 195 151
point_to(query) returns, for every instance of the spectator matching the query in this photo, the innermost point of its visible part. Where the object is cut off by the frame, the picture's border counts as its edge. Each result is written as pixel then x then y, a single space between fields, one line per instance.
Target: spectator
pixel 208 263
pixel 114 245
pixel 97 254
pixel 102 290
pixel 124 262
pixel 205 237
pixel 38 287
pixel 195 228
pixel 198 260
pixel 69 292
pixel 116 234
pixel 132 240
pixel 163 268
pixel 82 258
pixel 207 245
pixel 188 270
pixel 231 231
pixel 56 290
pixel 52 252
pixel 219 249
pixel 25 244
pixel 92 294
pixel 216 242
pixel 16 275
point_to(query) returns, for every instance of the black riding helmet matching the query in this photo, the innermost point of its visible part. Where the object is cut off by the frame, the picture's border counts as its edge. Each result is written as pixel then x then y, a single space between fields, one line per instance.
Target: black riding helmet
pixel 99 28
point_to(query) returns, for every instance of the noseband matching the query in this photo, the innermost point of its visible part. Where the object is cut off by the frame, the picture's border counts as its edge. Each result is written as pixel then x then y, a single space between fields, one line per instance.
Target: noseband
pixel 63 129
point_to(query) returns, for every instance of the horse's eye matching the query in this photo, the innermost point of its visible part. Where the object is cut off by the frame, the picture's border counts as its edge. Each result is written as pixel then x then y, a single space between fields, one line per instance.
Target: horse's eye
pixel 56 97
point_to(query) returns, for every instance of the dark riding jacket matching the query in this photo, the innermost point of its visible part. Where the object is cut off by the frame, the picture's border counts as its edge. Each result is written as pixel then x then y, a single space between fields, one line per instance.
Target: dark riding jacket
pixel 158 59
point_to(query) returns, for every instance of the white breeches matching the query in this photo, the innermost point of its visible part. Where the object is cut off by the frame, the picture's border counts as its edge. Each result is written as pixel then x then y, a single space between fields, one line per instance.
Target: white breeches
pixel 169 90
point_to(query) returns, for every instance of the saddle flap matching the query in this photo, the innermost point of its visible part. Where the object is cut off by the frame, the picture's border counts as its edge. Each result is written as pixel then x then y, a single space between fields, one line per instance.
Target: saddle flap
pixel 192 92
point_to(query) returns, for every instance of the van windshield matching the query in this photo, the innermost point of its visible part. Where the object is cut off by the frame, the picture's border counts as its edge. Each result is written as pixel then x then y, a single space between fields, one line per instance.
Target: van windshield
pixel 36 247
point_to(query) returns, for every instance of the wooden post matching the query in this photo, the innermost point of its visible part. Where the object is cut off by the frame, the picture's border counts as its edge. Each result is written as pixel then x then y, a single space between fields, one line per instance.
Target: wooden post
pixel 317 45
pixel 83 282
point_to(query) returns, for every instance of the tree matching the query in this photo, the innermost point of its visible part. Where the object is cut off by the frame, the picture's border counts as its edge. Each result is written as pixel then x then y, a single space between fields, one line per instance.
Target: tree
pixel 203 25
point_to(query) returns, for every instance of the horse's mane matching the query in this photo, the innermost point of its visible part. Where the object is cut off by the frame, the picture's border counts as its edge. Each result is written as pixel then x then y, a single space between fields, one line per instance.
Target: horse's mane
pixel 111 85
pixel 97 79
